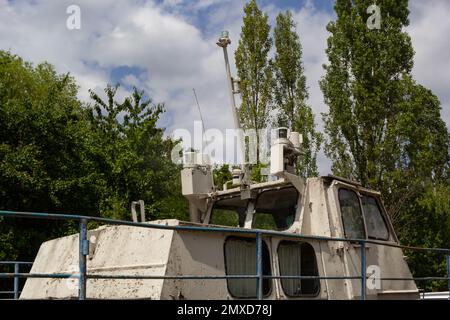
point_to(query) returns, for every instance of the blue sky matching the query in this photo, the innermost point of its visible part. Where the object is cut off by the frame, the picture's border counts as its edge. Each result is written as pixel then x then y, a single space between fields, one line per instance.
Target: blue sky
pixel 200 16
pixel 326 5
pixel 167 47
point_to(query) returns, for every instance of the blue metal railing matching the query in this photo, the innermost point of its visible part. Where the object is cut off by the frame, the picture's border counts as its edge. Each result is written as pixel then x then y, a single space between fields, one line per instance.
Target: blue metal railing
pixel 84 251
pixel 16 264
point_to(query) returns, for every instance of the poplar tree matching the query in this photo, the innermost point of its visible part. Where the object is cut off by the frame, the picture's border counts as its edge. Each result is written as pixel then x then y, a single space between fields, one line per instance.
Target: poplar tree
pixel 383 128
pixel 291 92
pixel 254 71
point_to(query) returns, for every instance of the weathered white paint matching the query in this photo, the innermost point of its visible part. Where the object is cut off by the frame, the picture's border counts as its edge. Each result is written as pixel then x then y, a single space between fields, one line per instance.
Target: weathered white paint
pixel 140 251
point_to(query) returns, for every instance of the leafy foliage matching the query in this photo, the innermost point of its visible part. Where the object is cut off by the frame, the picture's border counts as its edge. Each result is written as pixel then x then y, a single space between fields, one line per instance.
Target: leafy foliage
pixel 254 70
pixel 383 128
pixel 291 93
pixel 275 88
pixel 427 224
pixel 222 175
pixel 45 161
pixel 135 157
pixel 58 155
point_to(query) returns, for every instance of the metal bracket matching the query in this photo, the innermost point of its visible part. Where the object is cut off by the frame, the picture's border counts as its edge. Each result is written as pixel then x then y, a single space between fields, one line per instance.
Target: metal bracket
pixel 134 213
pixel 84 247
pixel 298 182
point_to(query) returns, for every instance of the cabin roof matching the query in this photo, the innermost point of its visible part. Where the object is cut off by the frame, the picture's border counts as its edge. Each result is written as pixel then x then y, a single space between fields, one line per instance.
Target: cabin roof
pixel 331 177
pixel 283 183
pixel 276 183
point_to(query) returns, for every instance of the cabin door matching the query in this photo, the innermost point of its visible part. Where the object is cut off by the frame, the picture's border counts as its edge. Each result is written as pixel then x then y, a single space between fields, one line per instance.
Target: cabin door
pixel 354 228
pixel 353 266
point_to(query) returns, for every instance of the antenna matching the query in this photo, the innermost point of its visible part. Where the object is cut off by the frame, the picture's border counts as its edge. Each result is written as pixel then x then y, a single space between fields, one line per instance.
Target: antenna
pixel 201 117
pixel 199 110
pixel 223 42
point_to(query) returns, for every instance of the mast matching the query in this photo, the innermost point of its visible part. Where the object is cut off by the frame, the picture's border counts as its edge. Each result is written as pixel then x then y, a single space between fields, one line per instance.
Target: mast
pixel 223 42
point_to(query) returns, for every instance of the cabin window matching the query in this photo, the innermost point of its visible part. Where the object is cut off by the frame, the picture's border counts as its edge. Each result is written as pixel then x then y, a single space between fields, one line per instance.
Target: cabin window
pixel 375 223
pixel 229 212
pixel 298 259
pixel 240 259
pixel 275 209
pixel 351 214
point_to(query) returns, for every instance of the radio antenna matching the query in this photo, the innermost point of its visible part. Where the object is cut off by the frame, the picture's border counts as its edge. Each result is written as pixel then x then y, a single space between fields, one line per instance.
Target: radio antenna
pixel 223 42
pixel 201 117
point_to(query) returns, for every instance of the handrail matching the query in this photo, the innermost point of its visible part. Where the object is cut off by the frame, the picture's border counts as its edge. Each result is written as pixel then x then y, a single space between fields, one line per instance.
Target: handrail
pixel 15 275
pixel 84 244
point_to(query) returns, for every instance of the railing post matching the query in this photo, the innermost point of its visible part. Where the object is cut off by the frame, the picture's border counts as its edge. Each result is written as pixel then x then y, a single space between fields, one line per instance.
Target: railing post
pixel 363 270
pixel 16 281
pixel 259 271
pixel 448 274
pixel 83 252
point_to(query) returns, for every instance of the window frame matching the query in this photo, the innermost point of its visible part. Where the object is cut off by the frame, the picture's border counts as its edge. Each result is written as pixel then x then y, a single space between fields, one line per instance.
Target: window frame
pixel 360 208
pixel 211 215
pixel 375 196
pixel 270 280
pixel 382 214
pixel 255 213
pixel 319 286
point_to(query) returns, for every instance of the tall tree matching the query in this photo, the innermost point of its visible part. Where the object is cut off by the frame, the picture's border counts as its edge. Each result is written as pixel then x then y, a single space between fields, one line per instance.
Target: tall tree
pixel 384 129
pixel 135 156
pixel 59 155
pixel 254 70
pixel 376 109
pixel 46 164
pixel 291 92
pixel 427 224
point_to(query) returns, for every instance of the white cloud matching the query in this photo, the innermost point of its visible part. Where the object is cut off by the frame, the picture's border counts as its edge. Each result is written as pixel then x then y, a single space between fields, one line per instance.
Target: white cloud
pixel 176 49
pixel 429 30
pixel 313 37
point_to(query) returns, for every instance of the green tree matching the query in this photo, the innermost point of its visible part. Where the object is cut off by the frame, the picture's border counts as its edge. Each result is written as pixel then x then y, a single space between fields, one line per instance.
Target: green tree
pixel 384 129
pixel 135 156
pixel 222 175
pixel 427 223
pixel 254 70
pixel 58 155
pixel 291 92
pixel 382 126
pixel 45 161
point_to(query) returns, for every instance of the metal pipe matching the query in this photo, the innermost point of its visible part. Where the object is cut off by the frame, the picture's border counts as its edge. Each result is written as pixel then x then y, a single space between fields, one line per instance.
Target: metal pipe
pixel 448 275
pixel 84 219
pixel 363 270
pixel 15 262
pixel 83 252
pixel 16 281
pixel 124 277
pixel 259 269
pixel 36 275
pixel 224 41
pixel 52 216
pixel 196 277
pixel 237 123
